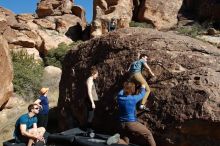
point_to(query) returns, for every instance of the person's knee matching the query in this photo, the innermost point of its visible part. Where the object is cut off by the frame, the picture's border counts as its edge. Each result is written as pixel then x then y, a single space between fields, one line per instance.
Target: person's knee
pixel 41 130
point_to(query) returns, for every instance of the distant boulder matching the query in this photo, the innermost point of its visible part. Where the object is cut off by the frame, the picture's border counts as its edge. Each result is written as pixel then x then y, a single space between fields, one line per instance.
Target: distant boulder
pixel 53 7
pixel 105 10
pixel 162 14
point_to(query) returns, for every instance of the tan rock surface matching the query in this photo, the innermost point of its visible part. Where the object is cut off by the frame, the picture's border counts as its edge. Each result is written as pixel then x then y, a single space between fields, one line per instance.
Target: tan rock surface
pixel 53 7
pixel 25 17
pixel 8 117
pixel 51 39
pixel 10 34
pixel 80 12
pixel 105 10
pixel 9 15
pixel 45 24
pixel 6 72
pixel 162 14
pixel 28 31
pixel 51 79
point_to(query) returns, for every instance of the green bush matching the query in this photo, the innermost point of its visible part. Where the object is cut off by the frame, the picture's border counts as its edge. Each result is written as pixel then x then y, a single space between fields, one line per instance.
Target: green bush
pixel 56 56
pixel 27 75
pixel 140 24
pixel 195 29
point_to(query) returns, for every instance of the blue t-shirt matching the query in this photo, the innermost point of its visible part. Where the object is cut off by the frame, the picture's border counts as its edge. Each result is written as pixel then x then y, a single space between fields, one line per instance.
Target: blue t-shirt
pixel 137 66
pixel 24 119
pixel 127 105
pixel 45 105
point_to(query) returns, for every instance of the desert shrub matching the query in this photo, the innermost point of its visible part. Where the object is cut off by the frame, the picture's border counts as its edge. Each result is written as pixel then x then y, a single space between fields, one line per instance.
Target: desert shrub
pixel 56 56
pixel 140 24
pixel 195 29
pixel 191 31
pixel 27 75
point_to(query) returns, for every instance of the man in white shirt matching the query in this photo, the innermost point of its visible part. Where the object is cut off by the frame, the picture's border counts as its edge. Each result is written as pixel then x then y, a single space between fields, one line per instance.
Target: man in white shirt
pixel 92 97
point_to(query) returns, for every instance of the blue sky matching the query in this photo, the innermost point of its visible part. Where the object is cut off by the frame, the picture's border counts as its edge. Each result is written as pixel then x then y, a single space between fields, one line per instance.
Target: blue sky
pixel 29 6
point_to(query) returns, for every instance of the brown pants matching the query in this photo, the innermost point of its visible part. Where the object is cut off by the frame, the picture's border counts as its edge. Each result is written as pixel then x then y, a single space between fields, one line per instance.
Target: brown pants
pixel 137 132
pixel 137 77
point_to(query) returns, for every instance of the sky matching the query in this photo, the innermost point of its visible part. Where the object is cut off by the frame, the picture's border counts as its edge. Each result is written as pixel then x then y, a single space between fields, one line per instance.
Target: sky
pixel 29 6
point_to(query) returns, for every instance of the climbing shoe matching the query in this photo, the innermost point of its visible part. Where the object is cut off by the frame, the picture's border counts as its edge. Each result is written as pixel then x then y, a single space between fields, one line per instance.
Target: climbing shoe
pixel 143 107
pixel 113 139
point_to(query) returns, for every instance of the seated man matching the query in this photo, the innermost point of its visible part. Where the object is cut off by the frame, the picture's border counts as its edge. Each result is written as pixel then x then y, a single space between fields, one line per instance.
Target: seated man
pixel 26 130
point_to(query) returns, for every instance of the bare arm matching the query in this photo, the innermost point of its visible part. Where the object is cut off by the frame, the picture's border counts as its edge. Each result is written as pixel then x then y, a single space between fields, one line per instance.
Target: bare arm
pixel 38 101
pixel 25 133
pixel 89 88
pixel 148 68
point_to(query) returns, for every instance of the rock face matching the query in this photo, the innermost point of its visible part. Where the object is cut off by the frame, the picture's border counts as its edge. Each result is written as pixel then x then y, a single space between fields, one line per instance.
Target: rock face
pixel 51 78
pixel 6 77
pixel 80 12
pixel 204 9
pixel 104 10
pixel 185 96
pixel 42 34
pixel 53 7
pixel 162 14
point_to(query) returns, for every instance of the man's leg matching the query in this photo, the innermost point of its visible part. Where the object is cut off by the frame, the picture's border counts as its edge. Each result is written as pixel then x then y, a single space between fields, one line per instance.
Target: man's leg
pixel 45 121
pixel 34 132
pixel 30 142
pixel 40 120
pixel 140 79
pixel 90 116
pixel 41 131
pixel 38 132
pixel 123 132
pixel 137 129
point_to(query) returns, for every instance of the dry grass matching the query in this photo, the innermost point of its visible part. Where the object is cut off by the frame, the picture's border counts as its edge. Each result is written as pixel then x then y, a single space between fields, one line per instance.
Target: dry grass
pixel 8 118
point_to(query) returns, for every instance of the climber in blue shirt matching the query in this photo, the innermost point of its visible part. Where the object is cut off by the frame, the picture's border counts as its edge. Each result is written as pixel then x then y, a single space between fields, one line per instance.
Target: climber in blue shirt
pixel 130 127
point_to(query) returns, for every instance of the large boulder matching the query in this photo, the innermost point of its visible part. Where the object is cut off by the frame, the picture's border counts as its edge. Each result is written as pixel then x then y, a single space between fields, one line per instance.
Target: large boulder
pixel 51 39
pixel 204 9
pixel 162 14
pixel 185 96
pixel 6 77
pixel 80 12
pixel 51 79
pixel 42 34
pixel 9 16
pixel 104 11
pixel 54 7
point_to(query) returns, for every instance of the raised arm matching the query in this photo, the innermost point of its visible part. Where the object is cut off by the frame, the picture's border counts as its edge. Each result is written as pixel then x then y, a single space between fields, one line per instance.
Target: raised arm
pixel 148 68
pixel 139 96
pixel 38 101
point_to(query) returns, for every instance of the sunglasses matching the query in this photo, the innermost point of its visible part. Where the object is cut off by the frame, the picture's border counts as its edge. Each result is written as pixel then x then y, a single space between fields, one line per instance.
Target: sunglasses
pixel 36 108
